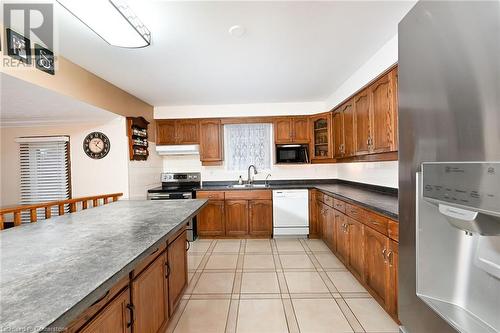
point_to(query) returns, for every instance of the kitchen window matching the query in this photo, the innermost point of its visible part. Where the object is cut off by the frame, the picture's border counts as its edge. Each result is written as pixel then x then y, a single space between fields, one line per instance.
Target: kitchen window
pixel 247 144
pixel 44 171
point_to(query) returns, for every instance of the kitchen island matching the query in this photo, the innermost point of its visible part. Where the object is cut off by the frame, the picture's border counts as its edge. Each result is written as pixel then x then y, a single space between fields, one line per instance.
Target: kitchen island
pixel 52 271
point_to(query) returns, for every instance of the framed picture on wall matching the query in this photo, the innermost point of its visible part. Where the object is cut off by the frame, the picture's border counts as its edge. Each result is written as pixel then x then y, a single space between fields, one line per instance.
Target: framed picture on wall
pixel 44 59
pixel 18 46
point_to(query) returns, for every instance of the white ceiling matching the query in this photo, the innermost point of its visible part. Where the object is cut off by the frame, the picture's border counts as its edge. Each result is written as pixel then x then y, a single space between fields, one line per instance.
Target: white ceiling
pixel 292 51
pixel 23 104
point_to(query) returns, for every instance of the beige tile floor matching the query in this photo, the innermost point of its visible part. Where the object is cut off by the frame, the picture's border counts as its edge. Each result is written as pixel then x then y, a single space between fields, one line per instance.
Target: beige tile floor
pixel 277 285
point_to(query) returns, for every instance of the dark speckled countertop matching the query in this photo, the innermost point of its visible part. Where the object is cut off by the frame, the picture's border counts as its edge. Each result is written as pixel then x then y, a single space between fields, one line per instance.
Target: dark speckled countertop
pixel 53 270
pixel 383 200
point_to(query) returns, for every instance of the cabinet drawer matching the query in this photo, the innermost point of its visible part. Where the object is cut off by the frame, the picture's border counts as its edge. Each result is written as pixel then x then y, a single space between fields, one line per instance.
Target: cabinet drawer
pixel 356 213
pixel 328 200
pixel 248 195
pixel 339 205
pixel 149 259
pixel 393 230
pixel 377 222
pixel 213 195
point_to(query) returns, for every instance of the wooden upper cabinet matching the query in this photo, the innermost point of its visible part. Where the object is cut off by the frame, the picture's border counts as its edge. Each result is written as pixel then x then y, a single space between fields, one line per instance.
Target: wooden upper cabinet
pixel 347 110
pixel 114 318
pixel 338 134
pixel 282 130
pixel 187 131
pixel 382 114
pixel 150 308
pixel 165 132
pixel 260 218
pixel 176 271
pixel 210 221
pixel 211 140
pixel 322 136
pixel 377 273
pixel 291 130
pixel 236 217
pixel 395 96
pixel 300 129
pixel 177 131
pixel 362 123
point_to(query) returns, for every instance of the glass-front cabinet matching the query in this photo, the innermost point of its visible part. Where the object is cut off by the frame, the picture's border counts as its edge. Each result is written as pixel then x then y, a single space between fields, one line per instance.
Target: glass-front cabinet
pixel 322 137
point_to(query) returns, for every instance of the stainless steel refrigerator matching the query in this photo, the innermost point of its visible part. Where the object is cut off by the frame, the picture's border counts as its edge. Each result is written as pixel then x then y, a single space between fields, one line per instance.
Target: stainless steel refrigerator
pixel 449 170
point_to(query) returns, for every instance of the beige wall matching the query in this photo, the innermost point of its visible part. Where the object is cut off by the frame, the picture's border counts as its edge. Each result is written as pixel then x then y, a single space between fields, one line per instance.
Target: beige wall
pixel 88 176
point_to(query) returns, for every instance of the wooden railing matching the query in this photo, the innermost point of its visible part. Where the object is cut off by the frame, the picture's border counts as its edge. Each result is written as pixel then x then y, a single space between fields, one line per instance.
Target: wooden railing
pixel 74 204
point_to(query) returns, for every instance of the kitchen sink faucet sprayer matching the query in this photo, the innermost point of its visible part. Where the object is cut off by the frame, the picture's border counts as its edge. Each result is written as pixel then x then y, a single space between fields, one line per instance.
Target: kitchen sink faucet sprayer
pixel 250 179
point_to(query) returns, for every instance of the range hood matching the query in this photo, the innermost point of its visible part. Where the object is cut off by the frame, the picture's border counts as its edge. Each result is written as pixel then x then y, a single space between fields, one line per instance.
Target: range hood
pixel 178 149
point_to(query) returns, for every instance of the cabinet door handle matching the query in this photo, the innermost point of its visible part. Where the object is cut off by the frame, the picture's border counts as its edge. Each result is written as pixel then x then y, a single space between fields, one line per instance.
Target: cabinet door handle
pixel 168 270
pixel 131 308
pixel 375 223
pixel 384 254
pixel 390 258
pixel 188 245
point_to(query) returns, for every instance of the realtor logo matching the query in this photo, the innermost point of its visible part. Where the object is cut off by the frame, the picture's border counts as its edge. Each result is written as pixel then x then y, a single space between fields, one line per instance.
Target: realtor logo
pixel 29 27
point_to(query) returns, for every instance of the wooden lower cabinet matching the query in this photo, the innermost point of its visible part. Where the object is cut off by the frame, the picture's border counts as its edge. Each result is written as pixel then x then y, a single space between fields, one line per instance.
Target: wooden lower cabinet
pixel 364 247
pixel 236 217
pixel 114 318
pixel 341 230
pixel 210 221
pixel 356 248
pixel 150 297
pixel 314 209
pixel 176 271
pixel 260 218
pixel 376 265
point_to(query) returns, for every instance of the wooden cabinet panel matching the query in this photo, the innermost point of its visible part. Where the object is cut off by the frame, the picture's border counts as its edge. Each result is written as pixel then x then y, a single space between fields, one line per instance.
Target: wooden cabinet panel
pixel 176 271
pixel 395 97
pixel 210 220
pixel 376 267
pixel 339 205
pixel 236 217
pixel 151 308
pixel 331 239
pixel 338 134
pixel 211 145
pixel 282 130
pixel 348 119
pixel 393 262
pixel 300 129
pixel 187 131
pixel 314 208
pixel 213 195
pixel 165 132
pixel 249 195
pixel 322 147
pixel 260 218
pixel 114 318
pixel 341 230
pixel 382 115
pixel 356 248
pixel 362 122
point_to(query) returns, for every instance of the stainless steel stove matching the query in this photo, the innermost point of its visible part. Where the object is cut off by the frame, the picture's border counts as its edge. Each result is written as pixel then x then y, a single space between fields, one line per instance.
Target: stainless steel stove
pixel 178 186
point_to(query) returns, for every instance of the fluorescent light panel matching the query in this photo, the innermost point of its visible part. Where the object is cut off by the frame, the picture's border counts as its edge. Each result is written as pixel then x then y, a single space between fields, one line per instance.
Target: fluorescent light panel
pixel 112 20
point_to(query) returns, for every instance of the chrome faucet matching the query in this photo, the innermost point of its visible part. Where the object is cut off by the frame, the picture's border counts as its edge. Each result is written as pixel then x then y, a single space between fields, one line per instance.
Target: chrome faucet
pixel 250 180
pixel 266 182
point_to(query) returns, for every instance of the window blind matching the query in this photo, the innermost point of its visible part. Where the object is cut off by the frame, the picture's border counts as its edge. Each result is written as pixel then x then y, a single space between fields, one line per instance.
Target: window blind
pixel 45 171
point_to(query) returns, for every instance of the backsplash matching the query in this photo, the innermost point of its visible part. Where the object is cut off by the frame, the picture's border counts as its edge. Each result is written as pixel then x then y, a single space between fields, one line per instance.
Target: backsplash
pixel 191 163
pixel 375 173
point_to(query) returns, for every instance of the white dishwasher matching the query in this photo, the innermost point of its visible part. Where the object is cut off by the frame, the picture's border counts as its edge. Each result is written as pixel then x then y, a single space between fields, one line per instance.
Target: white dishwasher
pixel 291 212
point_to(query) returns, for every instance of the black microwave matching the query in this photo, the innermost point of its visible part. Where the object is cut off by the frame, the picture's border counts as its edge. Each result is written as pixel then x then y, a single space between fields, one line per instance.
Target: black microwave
pixel 292 154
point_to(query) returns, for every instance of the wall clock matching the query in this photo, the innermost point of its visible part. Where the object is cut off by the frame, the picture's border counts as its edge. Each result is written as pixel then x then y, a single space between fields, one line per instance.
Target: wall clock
pixel 96 145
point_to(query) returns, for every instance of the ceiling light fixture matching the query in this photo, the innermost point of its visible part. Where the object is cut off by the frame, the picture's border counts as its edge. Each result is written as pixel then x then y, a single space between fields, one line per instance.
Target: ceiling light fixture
pixel 112 20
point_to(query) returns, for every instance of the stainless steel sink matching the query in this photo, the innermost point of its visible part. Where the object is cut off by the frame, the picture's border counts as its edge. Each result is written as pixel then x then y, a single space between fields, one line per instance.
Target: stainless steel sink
pixel 236 186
